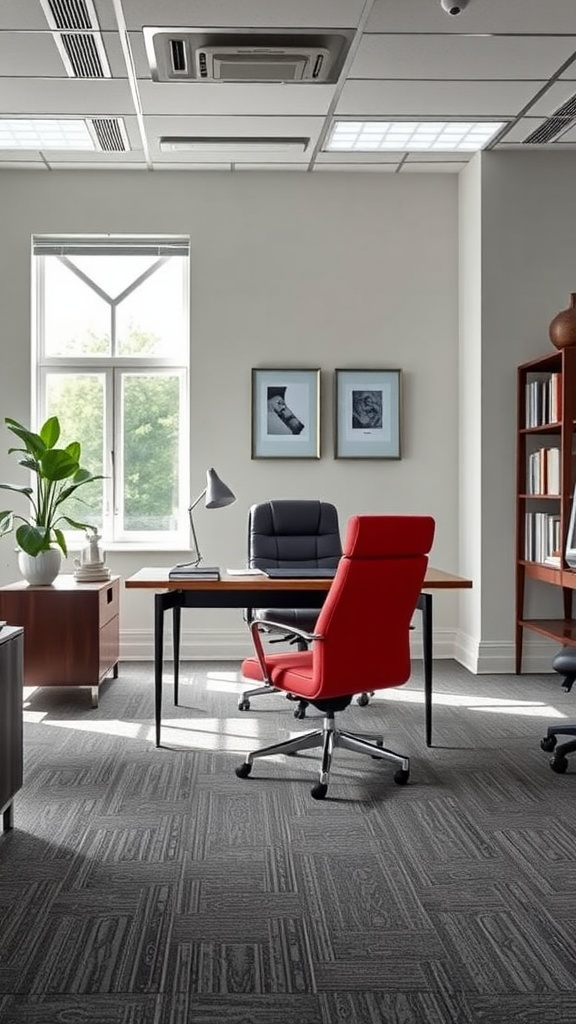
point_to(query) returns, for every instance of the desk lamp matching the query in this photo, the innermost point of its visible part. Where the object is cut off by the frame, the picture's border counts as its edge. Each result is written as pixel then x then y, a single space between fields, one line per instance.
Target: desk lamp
pixel 217 495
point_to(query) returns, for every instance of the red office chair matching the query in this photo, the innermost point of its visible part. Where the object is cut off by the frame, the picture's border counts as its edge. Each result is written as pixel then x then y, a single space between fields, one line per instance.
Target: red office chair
pixel 361 640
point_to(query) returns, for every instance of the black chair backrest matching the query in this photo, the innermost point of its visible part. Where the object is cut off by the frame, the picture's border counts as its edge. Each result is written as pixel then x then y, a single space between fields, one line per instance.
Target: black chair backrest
pixel 293 532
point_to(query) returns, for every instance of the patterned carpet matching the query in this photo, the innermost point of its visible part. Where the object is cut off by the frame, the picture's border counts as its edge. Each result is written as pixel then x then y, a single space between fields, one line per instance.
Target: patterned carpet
pixel 145 886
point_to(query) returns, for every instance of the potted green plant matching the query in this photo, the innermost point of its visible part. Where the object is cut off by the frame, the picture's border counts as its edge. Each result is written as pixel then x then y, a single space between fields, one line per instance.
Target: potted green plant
pixel 58 474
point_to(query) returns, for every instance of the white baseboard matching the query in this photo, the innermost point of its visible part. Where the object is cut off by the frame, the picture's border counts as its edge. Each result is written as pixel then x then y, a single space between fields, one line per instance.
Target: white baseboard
pixel 498 657
pixel 234 645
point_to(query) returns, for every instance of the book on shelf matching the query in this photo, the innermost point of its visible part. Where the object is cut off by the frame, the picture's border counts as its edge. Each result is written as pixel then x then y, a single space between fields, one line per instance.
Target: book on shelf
pixel 188 571
pixel 554 560
pixel 543 400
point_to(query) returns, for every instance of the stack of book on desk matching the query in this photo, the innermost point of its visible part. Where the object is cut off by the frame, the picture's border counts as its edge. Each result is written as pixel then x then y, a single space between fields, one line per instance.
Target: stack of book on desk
pixel 187 571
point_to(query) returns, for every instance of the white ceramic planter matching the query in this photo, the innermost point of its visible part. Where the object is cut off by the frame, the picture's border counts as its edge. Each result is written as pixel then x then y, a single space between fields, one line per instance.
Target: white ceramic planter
pixel 42 569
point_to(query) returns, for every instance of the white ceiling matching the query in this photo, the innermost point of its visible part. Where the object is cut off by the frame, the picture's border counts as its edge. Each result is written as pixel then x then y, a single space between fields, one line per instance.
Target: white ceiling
pixel 499 60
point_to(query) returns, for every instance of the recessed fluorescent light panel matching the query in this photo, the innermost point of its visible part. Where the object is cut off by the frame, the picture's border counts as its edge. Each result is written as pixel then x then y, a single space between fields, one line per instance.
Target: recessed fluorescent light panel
pixel 43 133
pixel 401 136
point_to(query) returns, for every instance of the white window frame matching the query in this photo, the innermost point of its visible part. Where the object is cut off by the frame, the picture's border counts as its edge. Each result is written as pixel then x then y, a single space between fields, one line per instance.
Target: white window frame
pixel 113 368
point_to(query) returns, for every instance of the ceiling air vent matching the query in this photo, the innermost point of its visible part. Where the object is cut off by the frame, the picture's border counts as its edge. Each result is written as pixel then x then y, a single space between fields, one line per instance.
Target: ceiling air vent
pixel 262 63
pixel 77 37
pixel 220 144
pixel 251 55
pixel 554 126
pixel 110 134
pixel 83 55
pixel 72 14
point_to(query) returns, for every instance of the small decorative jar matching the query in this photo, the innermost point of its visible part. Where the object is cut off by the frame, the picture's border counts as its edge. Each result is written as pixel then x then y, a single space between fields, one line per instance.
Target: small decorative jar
pixel 562 330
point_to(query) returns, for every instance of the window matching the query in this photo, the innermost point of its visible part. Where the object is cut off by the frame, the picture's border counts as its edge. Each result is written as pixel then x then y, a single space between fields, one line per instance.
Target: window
pixel 112 359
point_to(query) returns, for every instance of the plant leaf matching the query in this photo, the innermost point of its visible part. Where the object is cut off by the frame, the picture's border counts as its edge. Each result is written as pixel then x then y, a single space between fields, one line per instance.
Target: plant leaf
pixel 33 442
pixel 6 522
pixel 76 525
pixel 74 449
pixel 61 541
pixel 58 464
pixel 50 431
pixel 19 488
pixel 33 539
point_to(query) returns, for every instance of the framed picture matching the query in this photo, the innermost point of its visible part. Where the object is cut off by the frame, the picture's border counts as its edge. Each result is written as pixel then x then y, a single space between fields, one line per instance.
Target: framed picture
pixel 285 414
pixel 367 404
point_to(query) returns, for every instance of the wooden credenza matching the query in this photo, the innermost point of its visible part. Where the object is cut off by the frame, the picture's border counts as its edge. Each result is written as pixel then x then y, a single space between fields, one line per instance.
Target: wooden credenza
pixel 11 757
pixel 71 630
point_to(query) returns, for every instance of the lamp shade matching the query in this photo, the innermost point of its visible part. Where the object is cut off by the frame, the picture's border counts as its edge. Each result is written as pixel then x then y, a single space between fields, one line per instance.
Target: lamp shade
pixel 218 494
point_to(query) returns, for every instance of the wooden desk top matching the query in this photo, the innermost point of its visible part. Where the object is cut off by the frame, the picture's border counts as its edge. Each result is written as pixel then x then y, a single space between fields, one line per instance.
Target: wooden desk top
pixel 157 579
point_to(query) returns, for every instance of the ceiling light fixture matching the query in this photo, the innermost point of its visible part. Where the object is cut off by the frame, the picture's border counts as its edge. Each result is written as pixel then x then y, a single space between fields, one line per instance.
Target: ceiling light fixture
pixel 44 133
pixel 405 136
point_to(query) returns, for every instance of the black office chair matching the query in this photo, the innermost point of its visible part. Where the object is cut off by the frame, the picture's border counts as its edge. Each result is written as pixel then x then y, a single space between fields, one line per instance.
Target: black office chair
pixel 564 663
pixel 292 533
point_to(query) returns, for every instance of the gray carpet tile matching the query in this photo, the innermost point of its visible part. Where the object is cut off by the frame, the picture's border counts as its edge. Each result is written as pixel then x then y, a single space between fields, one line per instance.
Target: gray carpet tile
pixel 152 886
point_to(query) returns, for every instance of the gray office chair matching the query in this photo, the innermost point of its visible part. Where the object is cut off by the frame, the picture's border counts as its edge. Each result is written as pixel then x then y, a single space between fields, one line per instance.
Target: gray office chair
pixel 295 533
pixel 564 663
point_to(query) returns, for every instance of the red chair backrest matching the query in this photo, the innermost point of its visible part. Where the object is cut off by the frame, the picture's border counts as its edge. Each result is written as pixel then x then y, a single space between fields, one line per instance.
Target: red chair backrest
pixel 365 620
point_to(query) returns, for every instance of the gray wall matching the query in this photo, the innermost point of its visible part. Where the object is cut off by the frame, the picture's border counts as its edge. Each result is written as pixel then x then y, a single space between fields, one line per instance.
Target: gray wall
pixel 324 270
pixel 518 269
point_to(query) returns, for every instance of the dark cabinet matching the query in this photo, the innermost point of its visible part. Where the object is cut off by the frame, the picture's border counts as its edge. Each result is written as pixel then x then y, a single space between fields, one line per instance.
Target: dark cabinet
pixel 11 756
pixel 71 630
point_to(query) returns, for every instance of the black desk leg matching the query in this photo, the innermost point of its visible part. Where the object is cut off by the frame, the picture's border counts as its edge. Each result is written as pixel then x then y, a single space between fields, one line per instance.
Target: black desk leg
pixel 425 606
pixel 176 646
pixel 158 650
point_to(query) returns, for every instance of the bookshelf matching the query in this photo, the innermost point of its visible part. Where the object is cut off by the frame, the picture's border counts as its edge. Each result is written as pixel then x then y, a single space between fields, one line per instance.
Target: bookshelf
pixel 545 478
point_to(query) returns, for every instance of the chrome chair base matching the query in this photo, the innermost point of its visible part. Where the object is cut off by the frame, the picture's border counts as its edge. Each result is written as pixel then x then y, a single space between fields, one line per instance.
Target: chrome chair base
pixel 328 738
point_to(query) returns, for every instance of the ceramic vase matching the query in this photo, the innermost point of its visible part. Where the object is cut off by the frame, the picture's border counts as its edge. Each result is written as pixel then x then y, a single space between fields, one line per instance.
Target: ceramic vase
pixel 562 330
pixel 42 569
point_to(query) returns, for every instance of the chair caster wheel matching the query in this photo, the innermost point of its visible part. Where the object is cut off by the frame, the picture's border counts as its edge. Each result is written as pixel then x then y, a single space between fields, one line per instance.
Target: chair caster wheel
pixel 362 700
pixel 244 770
pixel 300 713
pixel 559 764
pixel 548 743
pixel 401 776
pixel 244 705
pixel 319 790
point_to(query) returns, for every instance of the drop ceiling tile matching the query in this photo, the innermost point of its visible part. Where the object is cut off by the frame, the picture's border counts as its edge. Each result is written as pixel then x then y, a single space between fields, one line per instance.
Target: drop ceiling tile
pixel 520 130
pixel 65 98
pixel 484 16
pixel 494 100
pixel 35 55
pixel 270 167
pixel 22 157
pixel 230 155
pixel 461 57
pixel 438 158
pixel 448 167
pixel 97 159
pixel 241 13
pixel 257 127
pixel 30 53
pixel 113 165
pixel 169 165
pixel 375 168
pixel 353 159
pixel 21 14
pixel 238 99
pixel 555 96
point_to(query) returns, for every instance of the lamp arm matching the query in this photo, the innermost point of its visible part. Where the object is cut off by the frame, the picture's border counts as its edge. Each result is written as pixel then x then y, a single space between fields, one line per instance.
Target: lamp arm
pixel 198 558
pixel 198 499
